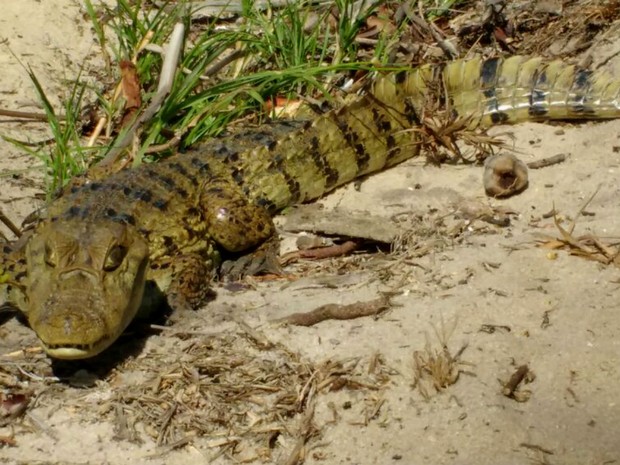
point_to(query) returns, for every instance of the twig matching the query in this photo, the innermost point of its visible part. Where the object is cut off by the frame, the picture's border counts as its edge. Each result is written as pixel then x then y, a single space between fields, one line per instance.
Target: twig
pixel 218 65
pixel 337 312
pixel 543 163
pixel 513 383
pixel 318 253
pixel 27 115
pixel 9 224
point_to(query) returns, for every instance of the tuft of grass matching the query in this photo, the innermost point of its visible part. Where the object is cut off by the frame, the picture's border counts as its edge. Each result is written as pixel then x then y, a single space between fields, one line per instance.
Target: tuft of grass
pixel 275 54
pixel 67 156
pixel 227 71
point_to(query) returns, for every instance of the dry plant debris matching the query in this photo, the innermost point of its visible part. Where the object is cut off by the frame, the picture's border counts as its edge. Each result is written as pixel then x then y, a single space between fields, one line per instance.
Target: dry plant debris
pixel 437 368
pixel 588 246
pixel 252 402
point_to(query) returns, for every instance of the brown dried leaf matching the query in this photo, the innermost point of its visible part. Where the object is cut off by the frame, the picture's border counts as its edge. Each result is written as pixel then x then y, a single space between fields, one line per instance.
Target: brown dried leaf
pixel 13 405
pixel 130 85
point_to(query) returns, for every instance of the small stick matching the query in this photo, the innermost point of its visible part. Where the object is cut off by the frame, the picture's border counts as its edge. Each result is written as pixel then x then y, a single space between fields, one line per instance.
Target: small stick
pixel 513 383
pixel 26 115
pixel 98 129
pixel 9 224
pixel 543 163
pixel 321 252
pixel 337 312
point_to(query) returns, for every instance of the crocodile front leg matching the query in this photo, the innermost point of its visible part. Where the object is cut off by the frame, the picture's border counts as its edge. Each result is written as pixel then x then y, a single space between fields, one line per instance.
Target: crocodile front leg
pixel 230 224
pixel 189 287
pixel 234 223
pixel 240 226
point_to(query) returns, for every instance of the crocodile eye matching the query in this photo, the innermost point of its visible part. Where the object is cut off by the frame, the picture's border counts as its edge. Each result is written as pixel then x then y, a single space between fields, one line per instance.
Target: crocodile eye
pixel 51 259
pixel 115 257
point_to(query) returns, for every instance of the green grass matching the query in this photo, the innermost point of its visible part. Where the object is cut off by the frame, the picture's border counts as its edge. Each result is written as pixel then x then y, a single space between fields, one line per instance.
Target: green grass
pixel 67 156
pixel 278 56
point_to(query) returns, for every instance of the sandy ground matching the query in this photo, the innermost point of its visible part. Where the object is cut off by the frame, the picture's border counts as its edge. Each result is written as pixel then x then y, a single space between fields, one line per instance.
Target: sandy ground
pixel 557 314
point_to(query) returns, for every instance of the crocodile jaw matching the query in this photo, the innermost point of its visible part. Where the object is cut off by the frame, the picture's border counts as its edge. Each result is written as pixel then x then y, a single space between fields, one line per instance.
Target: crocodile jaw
pixel 78 304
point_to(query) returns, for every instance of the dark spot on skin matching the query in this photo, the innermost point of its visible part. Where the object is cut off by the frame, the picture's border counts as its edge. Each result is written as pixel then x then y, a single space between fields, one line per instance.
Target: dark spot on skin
pixel 314 143
pixel 110 213
pixel 362 159
pixel 179 168
pixel 539 78
pixel 582 80
pixel 380 122
pixel 125 218
pixel 488 72
pixel 233 157
pixel 193 211
pixel 160 204
pixel 581 87
pixel 385 126
pixel 391 142
pixel 181 192
pixel 74 189
pixel 167 180
pixel 95 186
pixel 293 185
pixel 126 190
pixel 411 114
pixel 400 77
pixel 331 175
pixel 492 107
pixel 74 211
pixel 538 103
pixel 499 117
pixel 222 151
pixel 489 93
pixel 168 241
pixel 199 164
pixel 144 195
pixel 272 146
pixel 237 175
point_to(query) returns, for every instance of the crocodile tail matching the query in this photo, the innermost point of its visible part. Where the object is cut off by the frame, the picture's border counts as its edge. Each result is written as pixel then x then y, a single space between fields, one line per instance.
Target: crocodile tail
pixel 379 129
pixel 519 88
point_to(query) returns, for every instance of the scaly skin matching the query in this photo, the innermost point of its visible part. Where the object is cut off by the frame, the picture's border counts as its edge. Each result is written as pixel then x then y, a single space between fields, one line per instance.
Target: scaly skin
pixel 81 275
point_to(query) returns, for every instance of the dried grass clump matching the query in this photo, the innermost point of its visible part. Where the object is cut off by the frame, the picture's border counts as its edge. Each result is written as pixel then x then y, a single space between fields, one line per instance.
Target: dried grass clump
pixel 251 400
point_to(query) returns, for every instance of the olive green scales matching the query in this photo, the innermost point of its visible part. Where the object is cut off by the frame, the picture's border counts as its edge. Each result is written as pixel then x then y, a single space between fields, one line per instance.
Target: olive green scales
pixel 81 275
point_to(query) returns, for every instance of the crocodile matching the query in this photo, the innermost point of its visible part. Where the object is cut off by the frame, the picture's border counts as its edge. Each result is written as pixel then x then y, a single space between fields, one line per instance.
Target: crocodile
pixel 80 276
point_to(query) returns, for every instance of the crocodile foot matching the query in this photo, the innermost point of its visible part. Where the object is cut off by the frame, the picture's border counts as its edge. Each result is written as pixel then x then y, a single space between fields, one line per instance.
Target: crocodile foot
pixel 263 260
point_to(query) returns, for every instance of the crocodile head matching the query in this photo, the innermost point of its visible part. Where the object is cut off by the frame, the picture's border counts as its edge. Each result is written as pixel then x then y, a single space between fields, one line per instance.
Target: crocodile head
pixel 84 285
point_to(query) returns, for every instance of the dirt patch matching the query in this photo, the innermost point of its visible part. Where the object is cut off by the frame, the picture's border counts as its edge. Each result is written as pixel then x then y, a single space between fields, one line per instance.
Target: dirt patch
pixel 470 300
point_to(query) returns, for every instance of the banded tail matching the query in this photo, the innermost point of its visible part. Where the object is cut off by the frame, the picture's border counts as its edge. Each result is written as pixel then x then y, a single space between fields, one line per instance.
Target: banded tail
pixel 378 130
